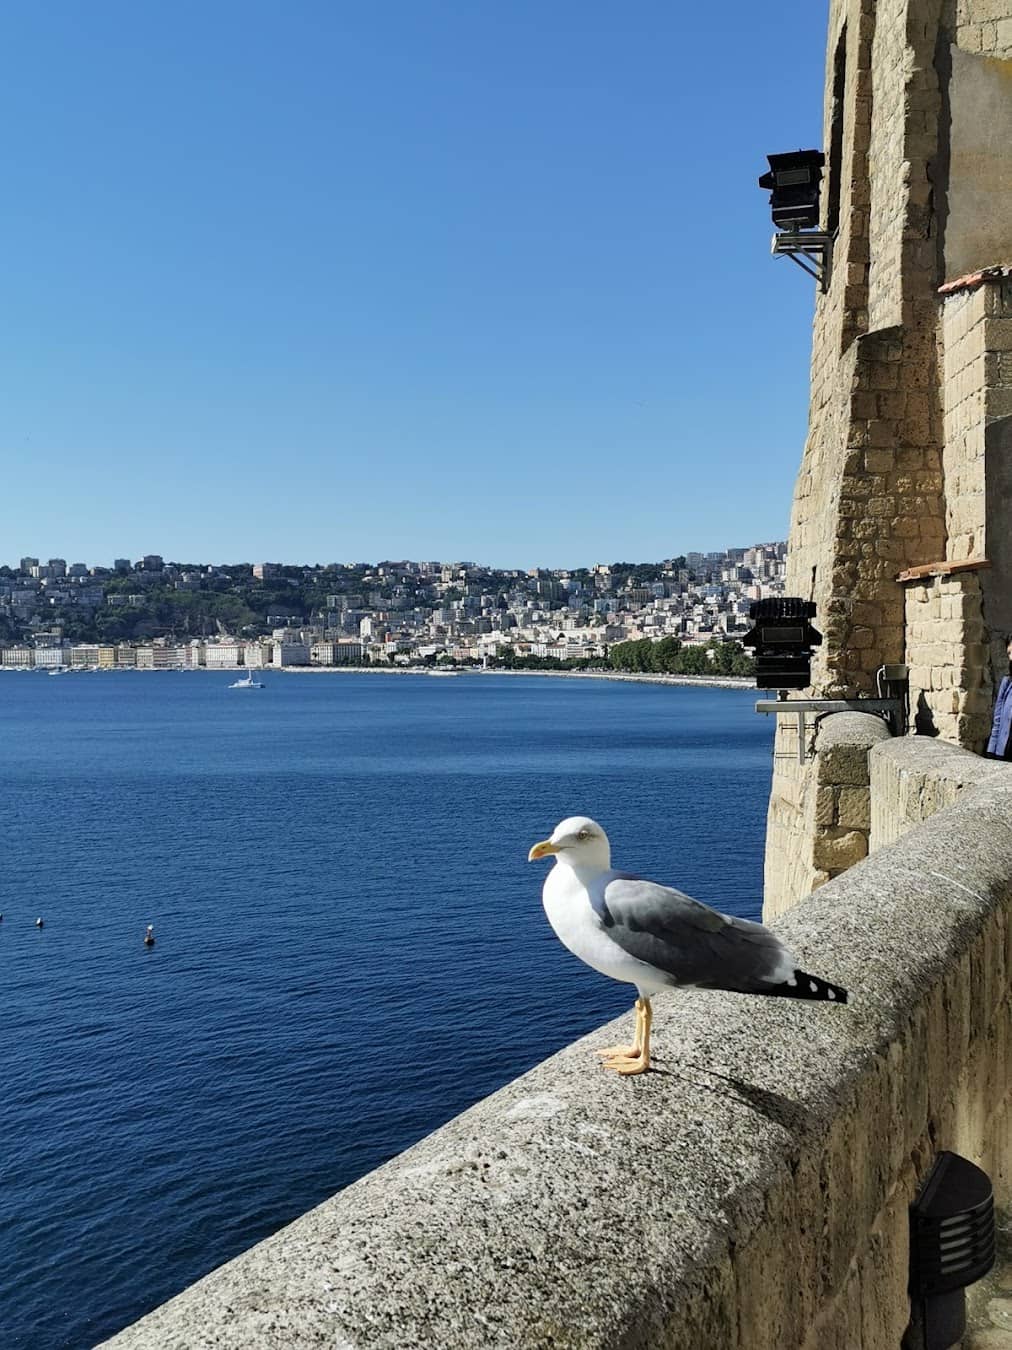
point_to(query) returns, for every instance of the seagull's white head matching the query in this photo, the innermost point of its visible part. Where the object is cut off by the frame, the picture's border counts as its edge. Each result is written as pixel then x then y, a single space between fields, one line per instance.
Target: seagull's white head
pixel 577 841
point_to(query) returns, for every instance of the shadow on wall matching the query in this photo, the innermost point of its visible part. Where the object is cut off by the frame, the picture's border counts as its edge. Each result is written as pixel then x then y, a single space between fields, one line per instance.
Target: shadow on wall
pixel 924 718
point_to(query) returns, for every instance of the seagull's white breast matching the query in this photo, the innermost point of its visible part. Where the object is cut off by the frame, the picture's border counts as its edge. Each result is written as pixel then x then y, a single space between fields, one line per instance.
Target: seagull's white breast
pixel 577 926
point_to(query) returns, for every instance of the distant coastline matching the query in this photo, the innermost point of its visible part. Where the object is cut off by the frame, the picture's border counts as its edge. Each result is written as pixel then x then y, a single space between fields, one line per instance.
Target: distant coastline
pixel 699 681
pixel 703 681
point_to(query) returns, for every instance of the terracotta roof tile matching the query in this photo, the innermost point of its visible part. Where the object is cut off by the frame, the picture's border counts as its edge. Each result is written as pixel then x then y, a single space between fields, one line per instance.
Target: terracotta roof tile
pixel 972 280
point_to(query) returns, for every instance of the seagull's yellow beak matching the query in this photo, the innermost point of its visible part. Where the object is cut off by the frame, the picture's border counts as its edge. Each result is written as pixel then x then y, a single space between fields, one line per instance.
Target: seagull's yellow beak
pixel 542 850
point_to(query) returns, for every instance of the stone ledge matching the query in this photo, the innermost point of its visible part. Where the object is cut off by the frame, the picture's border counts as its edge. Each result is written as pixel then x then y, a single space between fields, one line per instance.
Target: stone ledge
pixel 914 777
pixel 751 1193
pixel 940 759
pixel 851 730
pixel 973 280
pixel 943 569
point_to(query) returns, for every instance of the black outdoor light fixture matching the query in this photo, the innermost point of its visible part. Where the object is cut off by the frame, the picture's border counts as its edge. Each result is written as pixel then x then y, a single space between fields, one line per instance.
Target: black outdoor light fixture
pixel 794 182
pixel 952 1245
pixel 783 638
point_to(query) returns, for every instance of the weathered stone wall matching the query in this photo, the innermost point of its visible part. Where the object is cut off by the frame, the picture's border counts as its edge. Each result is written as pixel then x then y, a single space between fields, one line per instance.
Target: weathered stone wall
pixel 956 620
pixel 996 581
pixel 910 425
pixel 979 178
pixel 752 1194
pixel 913 777
pixel 819 821
pixel 984 26
pixel 841 313
pixel 868 499
pixel 965 378
pixel 889 191
pixel 948 659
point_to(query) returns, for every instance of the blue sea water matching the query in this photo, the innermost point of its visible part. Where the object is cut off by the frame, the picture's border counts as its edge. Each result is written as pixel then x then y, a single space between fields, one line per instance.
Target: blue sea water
pixel 350 946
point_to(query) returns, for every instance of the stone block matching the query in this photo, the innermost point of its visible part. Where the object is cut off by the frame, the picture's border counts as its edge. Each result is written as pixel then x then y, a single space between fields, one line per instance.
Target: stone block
pixel 879 461
pixel 892 405
pixel 825 806
pixel 835 851
pixel 998 403
pixel 864 529
pixel 883 376
pixel 904 527
pixel 885 1301
pixel 985 10
pixel 862 612
pixel 854 811
pixel 969 38
pixel 894 549
pixel 881 434
pixel 928 481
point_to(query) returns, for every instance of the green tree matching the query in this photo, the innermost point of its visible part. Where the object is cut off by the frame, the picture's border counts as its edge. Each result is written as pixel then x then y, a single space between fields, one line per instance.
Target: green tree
pixel 694 661
pixel 665 654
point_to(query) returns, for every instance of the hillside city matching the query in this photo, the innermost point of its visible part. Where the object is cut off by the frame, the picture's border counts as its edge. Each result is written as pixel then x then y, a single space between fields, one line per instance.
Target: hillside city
pixel 153 614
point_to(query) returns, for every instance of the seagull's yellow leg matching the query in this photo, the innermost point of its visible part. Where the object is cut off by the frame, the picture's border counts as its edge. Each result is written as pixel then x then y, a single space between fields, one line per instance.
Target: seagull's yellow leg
pixel 629 1051
pixel 641 1063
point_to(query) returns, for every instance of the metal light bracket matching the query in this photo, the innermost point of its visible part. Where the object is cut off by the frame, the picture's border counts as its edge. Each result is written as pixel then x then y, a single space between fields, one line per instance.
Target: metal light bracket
pixel 815 245
pixel 891 709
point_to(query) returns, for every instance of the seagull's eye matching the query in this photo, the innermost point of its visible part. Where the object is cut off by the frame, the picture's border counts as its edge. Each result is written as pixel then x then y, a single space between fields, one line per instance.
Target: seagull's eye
pixel 584 834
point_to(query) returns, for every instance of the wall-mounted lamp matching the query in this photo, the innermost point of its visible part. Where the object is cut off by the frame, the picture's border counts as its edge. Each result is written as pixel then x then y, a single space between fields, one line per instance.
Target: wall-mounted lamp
pixel 952 1245
pixel 783 638
pixel 793 183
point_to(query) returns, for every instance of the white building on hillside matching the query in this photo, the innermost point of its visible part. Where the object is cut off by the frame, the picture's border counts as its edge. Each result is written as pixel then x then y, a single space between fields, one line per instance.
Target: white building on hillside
pixel 223 654
pixel 287 653
pixel 17 657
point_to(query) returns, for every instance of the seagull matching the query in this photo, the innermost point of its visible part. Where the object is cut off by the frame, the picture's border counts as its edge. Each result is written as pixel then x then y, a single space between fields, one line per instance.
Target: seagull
pixel 655 937
pixel 149 936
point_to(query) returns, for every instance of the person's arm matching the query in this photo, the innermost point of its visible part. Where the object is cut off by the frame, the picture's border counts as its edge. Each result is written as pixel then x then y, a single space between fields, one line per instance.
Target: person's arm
pixel 999 704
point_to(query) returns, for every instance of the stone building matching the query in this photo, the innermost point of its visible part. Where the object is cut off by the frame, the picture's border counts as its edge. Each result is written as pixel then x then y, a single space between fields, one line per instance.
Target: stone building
pixel 901 530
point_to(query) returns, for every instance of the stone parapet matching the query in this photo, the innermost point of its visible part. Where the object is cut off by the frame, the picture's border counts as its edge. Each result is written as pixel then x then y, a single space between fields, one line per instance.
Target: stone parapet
pixel 819 816
pixel 751 1194
pixel 915 776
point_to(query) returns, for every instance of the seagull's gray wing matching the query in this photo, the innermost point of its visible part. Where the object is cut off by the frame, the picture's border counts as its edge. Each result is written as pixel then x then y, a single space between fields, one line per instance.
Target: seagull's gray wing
pixel 691 943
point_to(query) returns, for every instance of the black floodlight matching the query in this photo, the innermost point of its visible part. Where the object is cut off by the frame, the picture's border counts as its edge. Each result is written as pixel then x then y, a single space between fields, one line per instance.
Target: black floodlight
pixel 783 638
pixel 952 1244
pixel 793 183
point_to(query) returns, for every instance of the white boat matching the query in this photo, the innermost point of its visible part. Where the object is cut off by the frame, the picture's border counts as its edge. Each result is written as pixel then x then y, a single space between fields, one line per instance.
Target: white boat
pixel 247 683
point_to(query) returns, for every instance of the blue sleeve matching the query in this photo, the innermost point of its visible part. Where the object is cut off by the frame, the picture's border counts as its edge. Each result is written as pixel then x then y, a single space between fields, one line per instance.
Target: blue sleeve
pixel 999 705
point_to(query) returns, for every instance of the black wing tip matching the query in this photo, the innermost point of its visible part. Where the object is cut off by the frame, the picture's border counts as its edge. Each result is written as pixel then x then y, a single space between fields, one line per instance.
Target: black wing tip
pixel 803 985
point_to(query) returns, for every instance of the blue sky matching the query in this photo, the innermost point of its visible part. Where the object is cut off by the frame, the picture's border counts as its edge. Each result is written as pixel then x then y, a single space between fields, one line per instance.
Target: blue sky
pixel 319 281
